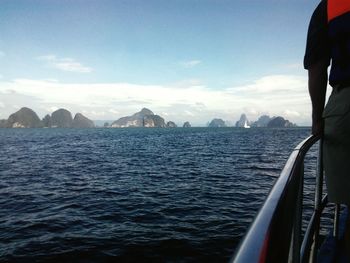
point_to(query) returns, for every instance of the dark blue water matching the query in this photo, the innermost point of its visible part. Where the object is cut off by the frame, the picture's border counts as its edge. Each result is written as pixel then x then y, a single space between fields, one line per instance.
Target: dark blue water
pixel 134 195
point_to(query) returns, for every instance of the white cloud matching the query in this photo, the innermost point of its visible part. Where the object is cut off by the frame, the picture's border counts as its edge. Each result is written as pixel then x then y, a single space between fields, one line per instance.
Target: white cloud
pixel 113 111
pixel 189 113
pixel 294 66
pixel 97 113
pixel 284 95
pixel 53 108
pixel 291 113
pixel 184 84
pixel 65 64
pixel 191 63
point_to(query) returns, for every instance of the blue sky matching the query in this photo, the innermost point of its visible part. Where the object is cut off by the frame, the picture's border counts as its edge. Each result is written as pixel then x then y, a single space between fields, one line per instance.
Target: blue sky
pixel 184 59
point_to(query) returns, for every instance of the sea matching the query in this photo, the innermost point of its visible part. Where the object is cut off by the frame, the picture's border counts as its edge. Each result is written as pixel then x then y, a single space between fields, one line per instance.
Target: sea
pixel 136 194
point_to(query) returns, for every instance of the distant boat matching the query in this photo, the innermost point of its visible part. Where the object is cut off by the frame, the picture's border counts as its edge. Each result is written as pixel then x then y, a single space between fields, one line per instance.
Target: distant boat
pixel 246 124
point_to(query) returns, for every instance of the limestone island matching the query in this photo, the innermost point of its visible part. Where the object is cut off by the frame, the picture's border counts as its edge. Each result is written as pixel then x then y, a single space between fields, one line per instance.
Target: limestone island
pixel 187 124
pixel 217 123
pixel 143 118
pixel 265 121
pixel 62 118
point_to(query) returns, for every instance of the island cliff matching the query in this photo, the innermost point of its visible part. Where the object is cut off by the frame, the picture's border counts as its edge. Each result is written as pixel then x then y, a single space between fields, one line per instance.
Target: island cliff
pixel 143 118
pixel 280 122
pixel 24 118
pixel 80 121
pixel 61 119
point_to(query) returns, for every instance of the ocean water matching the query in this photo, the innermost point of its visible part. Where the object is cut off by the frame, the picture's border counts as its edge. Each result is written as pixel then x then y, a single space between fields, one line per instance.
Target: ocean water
pixel 135 195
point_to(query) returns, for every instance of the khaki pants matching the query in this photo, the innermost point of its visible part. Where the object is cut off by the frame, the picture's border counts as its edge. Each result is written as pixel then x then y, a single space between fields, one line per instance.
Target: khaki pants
pixel 336 156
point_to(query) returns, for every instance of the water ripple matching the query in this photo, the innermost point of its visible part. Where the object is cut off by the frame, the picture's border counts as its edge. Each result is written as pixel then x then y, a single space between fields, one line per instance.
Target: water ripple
pixel 131 195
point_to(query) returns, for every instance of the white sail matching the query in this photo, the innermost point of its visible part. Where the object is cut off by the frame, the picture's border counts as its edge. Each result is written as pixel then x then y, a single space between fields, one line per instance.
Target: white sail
pixel 246 124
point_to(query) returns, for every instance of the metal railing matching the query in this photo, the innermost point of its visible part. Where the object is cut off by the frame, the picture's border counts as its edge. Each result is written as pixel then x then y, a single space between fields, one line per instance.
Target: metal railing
pixel 275 235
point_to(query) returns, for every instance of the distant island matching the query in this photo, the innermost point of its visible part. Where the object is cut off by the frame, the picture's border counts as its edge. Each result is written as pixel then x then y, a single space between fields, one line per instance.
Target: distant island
pixel 62 118
pixel 186 125
pixel 217 123
pixel 263 121
pixel 143 118
pixel 27 118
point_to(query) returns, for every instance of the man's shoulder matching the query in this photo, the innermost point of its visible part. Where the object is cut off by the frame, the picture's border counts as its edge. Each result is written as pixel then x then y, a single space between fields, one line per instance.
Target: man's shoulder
pixel 317 47
pixel 319 17
pixel 321 10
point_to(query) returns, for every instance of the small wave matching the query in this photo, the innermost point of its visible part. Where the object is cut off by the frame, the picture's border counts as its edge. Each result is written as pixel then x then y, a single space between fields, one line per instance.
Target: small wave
pixel 134 195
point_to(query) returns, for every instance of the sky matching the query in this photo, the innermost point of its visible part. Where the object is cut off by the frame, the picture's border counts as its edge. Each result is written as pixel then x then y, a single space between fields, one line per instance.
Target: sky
pixel 186 60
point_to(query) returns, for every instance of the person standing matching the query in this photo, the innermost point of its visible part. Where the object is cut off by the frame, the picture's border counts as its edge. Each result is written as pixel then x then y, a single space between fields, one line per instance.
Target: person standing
pixel 328 41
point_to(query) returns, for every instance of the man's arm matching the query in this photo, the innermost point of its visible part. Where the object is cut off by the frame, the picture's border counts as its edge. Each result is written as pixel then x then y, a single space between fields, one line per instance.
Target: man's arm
pixel 318 79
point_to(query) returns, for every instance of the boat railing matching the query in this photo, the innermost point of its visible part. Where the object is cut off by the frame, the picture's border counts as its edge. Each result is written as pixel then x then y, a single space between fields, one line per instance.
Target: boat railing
pixel 276 233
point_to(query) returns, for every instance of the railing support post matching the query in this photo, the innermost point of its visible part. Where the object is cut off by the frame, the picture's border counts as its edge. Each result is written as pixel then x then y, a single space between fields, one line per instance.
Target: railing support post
pixel 318 202
pixel 296 241
pixel 336 222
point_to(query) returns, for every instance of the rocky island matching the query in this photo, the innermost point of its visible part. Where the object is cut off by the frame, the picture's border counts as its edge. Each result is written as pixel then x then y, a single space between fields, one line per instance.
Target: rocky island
pixel 143 118
pixel 62 118
pixel 24 118
pixel 80 121
pixel 187 124
pixel 171 124
pixel 280 122
pixel 243 122
pixel 217 123
pixel 263 121
pixel 266 121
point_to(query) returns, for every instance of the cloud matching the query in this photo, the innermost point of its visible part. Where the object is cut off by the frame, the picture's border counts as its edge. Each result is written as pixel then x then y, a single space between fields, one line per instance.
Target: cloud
pixel 284 95
pixel 189 113
pixel 291 113
pixel 184 84
pixel 113 111
pixel 65 64
pixel 53 108
pixel 294 66
pixel 2 53
pixel 191 63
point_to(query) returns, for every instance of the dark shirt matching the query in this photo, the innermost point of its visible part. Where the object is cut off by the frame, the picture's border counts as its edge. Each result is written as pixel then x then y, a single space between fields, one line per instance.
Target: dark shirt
pixel 317 45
